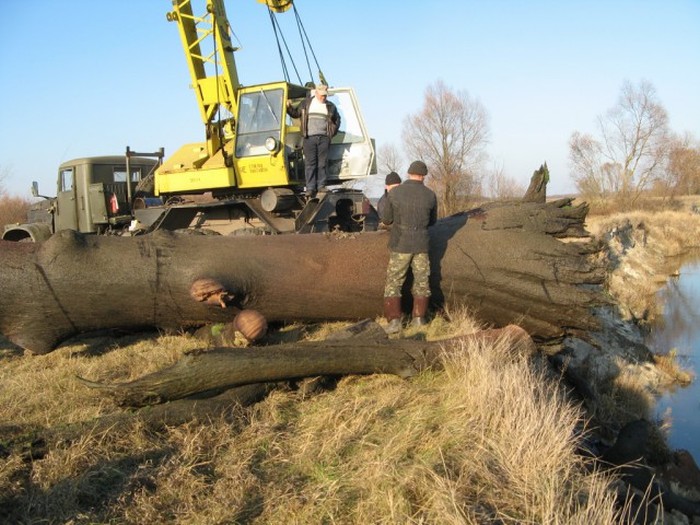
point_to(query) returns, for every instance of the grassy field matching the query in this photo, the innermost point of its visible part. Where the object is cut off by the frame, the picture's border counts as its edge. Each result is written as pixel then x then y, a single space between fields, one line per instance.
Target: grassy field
pixel 492 439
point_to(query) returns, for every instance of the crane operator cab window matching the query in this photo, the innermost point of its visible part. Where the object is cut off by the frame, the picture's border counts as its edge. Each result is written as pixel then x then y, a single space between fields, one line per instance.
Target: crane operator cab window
pixel 351 129
pixel 351 154
pixel 260 117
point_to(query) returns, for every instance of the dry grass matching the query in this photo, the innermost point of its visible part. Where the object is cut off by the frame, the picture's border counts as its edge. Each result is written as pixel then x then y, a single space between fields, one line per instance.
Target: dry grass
pixel 491 439
pixel 43 390
pixel 671 366
pixel 629 396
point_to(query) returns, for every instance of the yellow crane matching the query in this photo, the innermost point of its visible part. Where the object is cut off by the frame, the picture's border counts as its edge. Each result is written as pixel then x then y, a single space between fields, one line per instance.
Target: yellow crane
pixel 251 163
pixel 245 177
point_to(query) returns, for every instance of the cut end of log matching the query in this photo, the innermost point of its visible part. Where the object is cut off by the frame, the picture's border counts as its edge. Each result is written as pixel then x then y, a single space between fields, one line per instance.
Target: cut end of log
pixel 251 324
pixel 521 340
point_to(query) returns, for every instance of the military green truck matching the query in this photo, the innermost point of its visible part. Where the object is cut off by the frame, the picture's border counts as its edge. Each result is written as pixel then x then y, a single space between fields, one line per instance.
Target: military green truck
pixel 94 195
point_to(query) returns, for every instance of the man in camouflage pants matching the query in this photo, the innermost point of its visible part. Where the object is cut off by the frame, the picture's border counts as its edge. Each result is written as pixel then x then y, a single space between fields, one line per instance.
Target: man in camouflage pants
pixel 411 209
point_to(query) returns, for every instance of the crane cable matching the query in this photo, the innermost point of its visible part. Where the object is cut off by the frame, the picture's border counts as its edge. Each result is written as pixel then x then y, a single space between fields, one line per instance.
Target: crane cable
pixel 278 33
pixel 304 43
pixel 303 36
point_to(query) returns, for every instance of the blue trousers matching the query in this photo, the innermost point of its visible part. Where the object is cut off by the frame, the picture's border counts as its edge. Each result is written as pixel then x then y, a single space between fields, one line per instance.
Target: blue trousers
pixel 315 150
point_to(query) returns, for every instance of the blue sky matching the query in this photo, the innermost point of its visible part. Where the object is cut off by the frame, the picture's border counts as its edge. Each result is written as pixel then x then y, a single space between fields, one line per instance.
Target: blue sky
pixel 89 77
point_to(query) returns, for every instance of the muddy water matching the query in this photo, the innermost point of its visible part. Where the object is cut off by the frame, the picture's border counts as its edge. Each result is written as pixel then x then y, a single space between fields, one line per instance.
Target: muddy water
pixel 679 329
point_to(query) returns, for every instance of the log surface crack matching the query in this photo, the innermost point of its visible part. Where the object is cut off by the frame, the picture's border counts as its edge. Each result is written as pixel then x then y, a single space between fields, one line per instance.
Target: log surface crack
pixel 53 294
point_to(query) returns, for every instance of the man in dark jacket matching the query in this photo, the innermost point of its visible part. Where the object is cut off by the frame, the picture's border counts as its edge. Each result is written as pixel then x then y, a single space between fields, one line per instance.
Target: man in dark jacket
pixel 319 122
pixel 411 209
pixel 391 181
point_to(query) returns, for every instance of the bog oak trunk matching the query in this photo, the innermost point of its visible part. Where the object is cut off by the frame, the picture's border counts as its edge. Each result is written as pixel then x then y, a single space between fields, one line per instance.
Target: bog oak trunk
pixel 507 263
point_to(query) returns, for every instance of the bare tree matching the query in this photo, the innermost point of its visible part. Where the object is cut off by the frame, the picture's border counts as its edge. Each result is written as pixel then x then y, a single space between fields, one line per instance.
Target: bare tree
pixel 683 173
pixel 631 150
pixel 449 133
pixel 499 186
pixel 389 158
pixel 12 208
pixel 590 172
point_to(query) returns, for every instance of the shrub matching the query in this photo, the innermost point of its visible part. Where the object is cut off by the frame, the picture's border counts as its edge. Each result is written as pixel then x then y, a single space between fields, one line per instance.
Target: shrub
pixel 13 209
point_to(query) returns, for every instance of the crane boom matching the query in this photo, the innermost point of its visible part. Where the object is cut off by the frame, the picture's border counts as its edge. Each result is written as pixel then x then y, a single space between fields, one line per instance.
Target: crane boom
pixel 206 39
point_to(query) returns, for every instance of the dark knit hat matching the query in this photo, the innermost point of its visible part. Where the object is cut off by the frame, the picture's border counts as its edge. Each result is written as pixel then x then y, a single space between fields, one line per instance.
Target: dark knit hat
pixel 418 167
pixel 392 178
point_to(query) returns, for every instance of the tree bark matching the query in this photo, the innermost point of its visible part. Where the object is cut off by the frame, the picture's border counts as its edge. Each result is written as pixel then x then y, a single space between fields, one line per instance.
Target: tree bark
pixel 506 263
pixel 222 368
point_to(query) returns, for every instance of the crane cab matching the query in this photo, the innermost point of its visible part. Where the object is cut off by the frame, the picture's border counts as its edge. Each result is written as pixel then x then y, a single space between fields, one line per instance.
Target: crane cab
pixel 261 147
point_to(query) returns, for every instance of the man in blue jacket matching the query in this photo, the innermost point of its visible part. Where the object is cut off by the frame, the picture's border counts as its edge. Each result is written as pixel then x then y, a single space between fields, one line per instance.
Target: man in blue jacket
pixel 411 210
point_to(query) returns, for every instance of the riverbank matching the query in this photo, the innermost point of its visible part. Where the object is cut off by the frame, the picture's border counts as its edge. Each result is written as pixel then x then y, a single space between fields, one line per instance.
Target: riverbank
pixel 648 248
pixel 645 248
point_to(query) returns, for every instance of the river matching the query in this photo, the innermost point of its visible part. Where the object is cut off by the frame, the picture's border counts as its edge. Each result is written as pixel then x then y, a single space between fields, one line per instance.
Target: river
pixel 679 329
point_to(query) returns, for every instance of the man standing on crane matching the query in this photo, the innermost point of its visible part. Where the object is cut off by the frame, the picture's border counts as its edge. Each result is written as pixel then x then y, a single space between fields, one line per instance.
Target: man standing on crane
pixel 319 121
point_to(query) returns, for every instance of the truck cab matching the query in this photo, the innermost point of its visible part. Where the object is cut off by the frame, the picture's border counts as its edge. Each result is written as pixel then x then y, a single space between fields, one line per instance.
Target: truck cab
pixel 92 196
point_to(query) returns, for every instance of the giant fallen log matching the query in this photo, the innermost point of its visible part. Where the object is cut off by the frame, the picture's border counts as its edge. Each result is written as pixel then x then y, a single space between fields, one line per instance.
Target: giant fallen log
pixel 221 368
pixel 506 263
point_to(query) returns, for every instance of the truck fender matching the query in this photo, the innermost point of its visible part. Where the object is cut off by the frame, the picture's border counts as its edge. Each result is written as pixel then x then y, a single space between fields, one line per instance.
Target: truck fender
pixel 33 232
